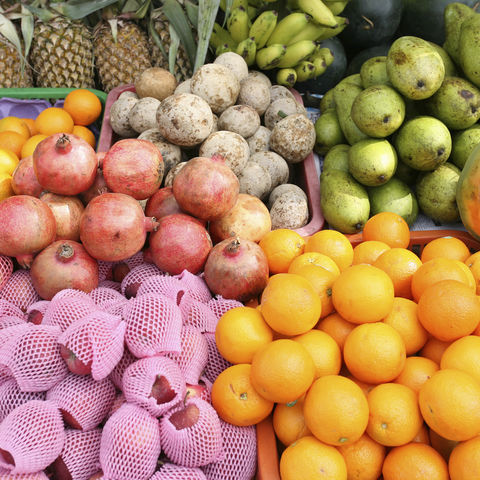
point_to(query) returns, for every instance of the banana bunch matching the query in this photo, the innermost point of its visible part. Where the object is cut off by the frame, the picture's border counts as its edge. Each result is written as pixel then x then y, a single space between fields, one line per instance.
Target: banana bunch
pixel 291 44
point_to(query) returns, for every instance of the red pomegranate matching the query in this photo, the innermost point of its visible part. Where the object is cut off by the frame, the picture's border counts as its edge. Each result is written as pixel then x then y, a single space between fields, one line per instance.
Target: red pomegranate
pixel 67 212
pixel 180 243
pixel 113 227
pixel 162 203
pixel 65 164
pixel 237 269
pixel 24 180
pixel 27 226
pixel 206 187
pixel 63 264
pixel 249 218
pixel 98 187
pixel 134 167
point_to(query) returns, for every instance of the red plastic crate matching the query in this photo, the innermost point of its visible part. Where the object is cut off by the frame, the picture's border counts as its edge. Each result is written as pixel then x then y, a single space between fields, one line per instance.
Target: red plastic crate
pixel 305 173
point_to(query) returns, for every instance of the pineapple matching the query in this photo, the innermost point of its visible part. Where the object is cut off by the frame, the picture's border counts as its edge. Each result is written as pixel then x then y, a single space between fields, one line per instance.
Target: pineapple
pixel 120 61
pixel 11 74
pixel 62 54
pixel 182 68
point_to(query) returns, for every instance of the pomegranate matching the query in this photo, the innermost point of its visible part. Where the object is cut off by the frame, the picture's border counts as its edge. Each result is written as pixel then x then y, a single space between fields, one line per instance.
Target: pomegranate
pixel 113 227
pixel 67 212
pixel 206 187
pixel 162 203
pixel 134 167
pixel 100 157
pixel 63 264
pixel 237 269
pixel 27 226
pixel 65 164
pixel 24 180
pixel 249 218
pixel 98 187
pixel 180 243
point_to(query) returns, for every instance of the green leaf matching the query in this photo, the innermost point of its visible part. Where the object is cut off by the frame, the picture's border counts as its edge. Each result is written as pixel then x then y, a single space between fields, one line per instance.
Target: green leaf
pixel 143 10
pixel 192 12
pixel 208 10
pixel 27 26
pixel 79 10
pixel 114 28
pixel 8 30
pixel 228 7
pixel 172 52
pixel 156 38
pixel 176 16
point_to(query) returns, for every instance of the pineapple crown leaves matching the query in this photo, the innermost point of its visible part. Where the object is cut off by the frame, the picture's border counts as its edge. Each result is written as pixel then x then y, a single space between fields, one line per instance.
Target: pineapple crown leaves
pixel 73 9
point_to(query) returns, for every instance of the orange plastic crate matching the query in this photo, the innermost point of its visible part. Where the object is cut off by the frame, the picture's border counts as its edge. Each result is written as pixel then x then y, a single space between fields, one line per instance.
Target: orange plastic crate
pixel 267 448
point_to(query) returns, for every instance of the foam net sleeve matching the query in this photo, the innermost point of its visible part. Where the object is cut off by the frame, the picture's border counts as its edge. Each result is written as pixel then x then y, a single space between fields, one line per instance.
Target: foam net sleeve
pixel 71 293
pixel 34 359
pixel 196 285
pixel 65 311
pixel 84 399
pixel 197 445
pixel 134 278
pixel 166 285
pixel 33 434
pixel 81 452
pixel 117 403
pixel 240 460
pixel 193 355
pixel 10 321
pixel 197 314
pixel 116 375
pixel 130 444
pixel 170 471
pixel 9 309
pixel 154 323
pixel 8 337
pixel 135 260
pixel 6 269
pixel 12 397
pixel 220 305
pixel 216 363
pixel 139 382
pixel 19 290
pixel 36 311
pixel 20 476
pixel 111 284
pixel 101 295
pixel 104 270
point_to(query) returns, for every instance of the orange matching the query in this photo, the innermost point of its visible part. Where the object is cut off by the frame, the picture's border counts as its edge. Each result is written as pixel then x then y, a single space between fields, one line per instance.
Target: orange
pixel 450 404
pixel 368 251
pixel 422 435
pixel 434 349
pixel 8 161
pixel 54 120
pixel 83 106
pixel 235 399
pixel 282 371
pixel 416 372
pixel 449 310
pixel 364 458
pixel 446 247
pixel 463 354
pixel 322 281
pixel 290 304
pixel 314 258
pixel 399 264
pixel 403 318
pixel 14 124
pixel 240 332
pixel 395 418
pixel 374 353
pixel 6 189
pixel 85 133
pixel 473 263
pixel 472 282
pixel 323 349
pixel 333 244
pixel 281 246
pixel 12 141
pixel 443 446
pixel 309 458
pixel 337 327
pixel 363 293
pixel 387 227
pixel 289 422
pixel 414 461
pixel 30 145
pixel 336 410
pixel 365 387
pixel 464 461
pixel 434 271
pixel 30 122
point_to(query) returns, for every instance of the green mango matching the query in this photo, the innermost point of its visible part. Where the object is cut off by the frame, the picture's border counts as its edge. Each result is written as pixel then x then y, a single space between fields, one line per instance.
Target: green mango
pixel 454 15
pixel 450 68
pixel 327 101
pixel 469 48
pixel 463 144
pixel 336 158
pixel 328 132
pixel 374 72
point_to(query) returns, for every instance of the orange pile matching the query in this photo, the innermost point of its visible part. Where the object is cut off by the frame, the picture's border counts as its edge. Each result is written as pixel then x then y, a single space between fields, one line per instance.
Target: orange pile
pixel 20 136
pixel 368 356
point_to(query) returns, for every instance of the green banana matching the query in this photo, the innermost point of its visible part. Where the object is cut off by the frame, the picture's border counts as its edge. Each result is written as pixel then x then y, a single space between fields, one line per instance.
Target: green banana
pixel 320 65
pixel 238 24
pixel 286 77
pixel 263 27
pixel 221 36
pixel 329 32
pixel 305 71
pixel 318 11
pixel 252 12
pixel 268 57
pixel 296 53
pixel 247 49
pixel 257 3
pixel 235 4
pixel 336 7
pixel 287 28
pixel 326 54
pixel 311 31
pixel 225 47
